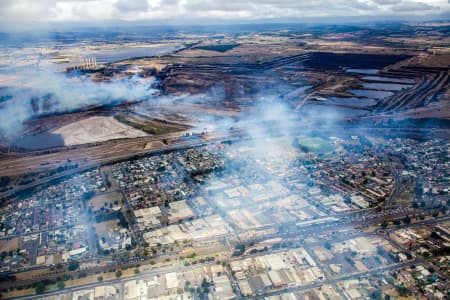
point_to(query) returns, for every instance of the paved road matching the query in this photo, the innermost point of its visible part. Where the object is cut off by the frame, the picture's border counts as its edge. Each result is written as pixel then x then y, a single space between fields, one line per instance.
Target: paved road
pixel 336 279
pixel 180 267
pixel 142 275
pixel 93 155
pixel 88 159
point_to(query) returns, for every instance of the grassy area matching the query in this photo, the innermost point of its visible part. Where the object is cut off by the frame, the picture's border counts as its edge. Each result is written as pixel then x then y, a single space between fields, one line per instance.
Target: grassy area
pixel 218 48
pixel 18 293
pixel 149 127
pixel 126 273
pixel 105 200
pixel 315 144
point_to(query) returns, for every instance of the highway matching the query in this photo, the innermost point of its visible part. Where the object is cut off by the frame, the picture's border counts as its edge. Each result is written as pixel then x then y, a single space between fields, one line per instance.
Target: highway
pixel 354 219
pixel 93 157
pixel 90 156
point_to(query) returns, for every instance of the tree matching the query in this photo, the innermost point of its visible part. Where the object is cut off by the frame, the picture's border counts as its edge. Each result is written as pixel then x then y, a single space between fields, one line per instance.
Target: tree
pixel 118 274
pixel 100 278
pixel 380 250
pixel 407 220
pixel 73 265
pixel 60 285
pixel 88 195
pixel 205 286
pixel 350 260
pixel 205 283
pixel 136 271
pixel 435 235
pixel 40 288
pixel 4 181
pixel 239 249
pixel 403 291
pixel 186 285
pixel 376 294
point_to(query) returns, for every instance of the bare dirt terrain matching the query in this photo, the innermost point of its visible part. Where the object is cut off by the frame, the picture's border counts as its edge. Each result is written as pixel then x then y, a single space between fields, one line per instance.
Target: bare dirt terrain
pixel 222 79
pixel 96 129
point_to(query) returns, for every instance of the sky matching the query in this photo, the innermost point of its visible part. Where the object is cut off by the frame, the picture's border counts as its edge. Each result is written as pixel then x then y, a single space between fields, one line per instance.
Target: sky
pixel 197 11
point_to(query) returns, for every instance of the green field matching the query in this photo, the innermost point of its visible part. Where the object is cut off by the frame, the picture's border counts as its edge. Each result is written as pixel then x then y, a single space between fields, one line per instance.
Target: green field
pixel 148 126
pixel 315 144
pixel 217 48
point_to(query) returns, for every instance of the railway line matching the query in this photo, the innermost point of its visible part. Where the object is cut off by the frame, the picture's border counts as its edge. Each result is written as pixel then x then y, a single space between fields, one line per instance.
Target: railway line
pixel 89 156
pixel 92 157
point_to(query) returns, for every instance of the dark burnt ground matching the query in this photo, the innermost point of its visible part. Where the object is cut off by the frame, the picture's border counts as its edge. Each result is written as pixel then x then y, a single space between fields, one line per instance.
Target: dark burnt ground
pixel 242 80
pixel 327 61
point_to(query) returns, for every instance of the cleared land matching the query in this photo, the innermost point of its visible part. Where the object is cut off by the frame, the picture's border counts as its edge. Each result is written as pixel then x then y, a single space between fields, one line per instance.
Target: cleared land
pixel 146 125
pixel 9 245
pixel 96 129
pixel 105 200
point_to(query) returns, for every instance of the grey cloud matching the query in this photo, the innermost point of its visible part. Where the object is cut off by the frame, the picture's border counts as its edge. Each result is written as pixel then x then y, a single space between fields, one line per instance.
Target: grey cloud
pixel 209 10
pixel 135 5
pixel 260 9
pixel 413 6
pixel 387 2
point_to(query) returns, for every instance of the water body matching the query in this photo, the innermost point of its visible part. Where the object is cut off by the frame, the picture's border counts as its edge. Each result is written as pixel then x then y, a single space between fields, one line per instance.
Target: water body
pixel 331 112
pixel 39 141
pixel 388 79
pixel 356 102
pixel 363 71
pixel 371 94
pixel 386 86
pixel 108 56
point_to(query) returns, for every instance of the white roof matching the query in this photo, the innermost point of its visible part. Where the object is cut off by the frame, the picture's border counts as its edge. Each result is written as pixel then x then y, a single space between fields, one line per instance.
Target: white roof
pixel 171 280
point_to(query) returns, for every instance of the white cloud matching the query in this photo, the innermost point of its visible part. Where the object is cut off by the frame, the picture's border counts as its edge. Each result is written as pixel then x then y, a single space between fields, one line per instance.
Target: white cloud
pixel 209 10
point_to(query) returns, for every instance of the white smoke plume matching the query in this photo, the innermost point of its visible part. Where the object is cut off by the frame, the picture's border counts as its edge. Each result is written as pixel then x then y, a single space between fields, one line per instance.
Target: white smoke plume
pixel 67 94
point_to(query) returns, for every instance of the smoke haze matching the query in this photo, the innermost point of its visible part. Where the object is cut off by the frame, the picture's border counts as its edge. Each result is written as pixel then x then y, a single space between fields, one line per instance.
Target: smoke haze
pixel 48 93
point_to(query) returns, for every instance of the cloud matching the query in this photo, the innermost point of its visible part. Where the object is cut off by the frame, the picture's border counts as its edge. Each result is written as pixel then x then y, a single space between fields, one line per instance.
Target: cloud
pixel 413 6
pixel 208 10
pixel 387 2
pixel 135 5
